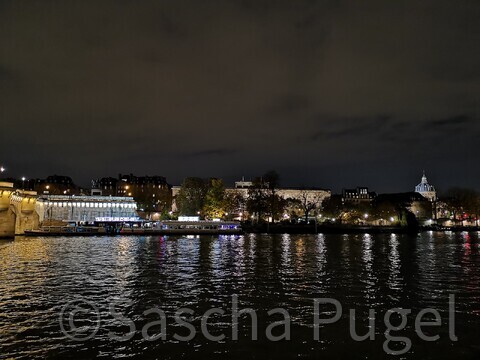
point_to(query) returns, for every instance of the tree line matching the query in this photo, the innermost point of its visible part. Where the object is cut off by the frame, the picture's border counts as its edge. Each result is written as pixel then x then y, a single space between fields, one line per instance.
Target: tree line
pixel 210 199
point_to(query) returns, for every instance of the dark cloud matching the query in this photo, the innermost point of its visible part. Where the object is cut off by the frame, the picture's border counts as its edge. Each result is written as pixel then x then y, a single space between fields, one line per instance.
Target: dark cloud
pixel 352 127
pixel 212 152
pixel 453 121
pixel 289 104
pixel 5 74
pixel 330 93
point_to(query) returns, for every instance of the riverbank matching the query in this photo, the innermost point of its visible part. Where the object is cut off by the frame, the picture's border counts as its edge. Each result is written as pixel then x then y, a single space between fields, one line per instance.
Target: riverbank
pixel 345 229
pixel 324 229
pixel 281 229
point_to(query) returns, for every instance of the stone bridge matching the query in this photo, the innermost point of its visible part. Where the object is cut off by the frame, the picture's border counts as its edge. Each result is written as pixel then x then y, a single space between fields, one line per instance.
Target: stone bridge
pixel 17 210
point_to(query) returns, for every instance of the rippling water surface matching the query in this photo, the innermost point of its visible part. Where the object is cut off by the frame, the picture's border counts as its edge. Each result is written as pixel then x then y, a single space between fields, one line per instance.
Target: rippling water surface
pixel 113 281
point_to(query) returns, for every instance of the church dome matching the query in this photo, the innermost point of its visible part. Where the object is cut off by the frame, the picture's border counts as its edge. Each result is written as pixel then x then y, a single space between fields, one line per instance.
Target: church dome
pixel 424 186
pixel 425 189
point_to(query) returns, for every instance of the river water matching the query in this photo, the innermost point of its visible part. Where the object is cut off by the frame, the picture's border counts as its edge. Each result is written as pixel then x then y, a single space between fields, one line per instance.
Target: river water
pixel 85 298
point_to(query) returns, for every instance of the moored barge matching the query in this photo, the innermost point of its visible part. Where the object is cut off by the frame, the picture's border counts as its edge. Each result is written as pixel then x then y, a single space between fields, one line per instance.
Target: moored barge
pixel 185 228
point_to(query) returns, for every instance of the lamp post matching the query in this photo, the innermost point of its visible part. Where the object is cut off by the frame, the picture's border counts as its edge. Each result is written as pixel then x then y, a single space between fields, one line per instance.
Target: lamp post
pixel 23 182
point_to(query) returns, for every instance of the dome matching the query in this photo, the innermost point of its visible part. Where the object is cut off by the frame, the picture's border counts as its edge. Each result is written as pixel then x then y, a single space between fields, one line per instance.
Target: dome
pixel 425 189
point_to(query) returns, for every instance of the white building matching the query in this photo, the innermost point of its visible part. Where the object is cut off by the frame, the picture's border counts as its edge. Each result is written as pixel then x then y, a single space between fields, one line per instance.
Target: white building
pixel 86 209
pixel 426 190
pixel 243 184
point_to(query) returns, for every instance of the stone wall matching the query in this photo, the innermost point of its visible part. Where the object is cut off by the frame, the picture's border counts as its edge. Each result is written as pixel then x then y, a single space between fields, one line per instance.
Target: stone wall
pixel 7 216
pixel 17 210
pixel 23 204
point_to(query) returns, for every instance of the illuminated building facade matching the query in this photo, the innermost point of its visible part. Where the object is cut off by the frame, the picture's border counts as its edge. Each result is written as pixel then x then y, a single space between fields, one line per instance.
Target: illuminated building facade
pixel 358 195
pixel 152 193
pixel 86 209
pixel 426 190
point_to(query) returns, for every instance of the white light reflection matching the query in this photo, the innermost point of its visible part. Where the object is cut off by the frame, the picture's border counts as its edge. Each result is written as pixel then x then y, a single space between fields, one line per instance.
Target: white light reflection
pixel 252 240
pixel 369 279
pixel 300 256
pixel 216 261
pixel 188 259
pixel 321 252
pixel 394 278
pixel 286 251
pixel 240 258
pixel 125 266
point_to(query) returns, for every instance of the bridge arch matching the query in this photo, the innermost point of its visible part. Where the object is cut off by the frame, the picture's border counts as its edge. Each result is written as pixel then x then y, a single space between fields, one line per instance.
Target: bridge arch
pixel 17 210
pixel 7 214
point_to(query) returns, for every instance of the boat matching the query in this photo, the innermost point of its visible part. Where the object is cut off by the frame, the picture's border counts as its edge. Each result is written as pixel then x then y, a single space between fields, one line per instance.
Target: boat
pixel 172 227
pixel 66 231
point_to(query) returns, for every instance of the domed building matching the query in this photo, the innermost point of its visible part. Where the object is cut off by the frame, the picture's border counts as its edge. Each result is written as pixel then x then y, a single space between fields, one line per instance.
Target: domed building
pixel 425 189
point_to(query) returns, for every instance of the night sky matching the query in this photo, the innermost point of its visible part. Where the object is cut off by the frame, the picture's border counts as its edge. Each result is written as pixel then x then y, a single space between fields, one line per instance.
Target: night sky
pixel 329 93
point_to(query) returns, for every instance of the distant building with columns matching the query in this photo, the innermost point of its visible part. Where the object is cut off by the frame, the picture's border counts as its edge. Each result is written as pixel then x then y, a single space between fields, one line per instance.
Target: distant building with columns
pixel 86 209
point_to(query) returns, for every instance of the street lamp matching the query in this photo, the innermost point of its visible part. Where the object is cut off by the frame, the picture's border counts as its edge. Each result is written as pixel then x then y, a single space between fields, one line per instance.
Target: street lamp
pixel 2 169
pixel 23 182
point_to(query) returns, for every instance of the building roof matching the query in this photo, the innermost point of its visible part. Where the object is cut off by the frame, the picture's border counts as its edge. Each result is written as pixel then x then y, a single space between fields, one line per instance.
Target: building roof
pixel 424 186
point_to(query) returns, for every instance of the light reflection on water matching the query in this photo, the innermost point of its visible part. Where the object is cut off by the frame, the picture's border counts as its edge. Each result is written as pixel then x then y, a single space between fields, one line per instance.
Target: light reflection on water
pixel 38 276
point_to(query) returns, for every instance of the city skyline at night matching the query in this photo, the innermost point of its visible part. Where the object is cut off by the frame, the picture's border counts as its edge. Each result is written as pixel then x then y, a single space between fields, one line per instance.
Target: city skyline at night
pixel 328 93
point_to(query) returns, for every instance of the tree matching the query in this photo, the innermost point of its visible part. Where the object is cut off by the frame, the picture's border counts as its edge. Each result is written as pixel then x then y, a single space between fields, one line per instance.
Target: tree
pixel 294 208
pixel 385 210
pixel 333 207
pixel 214 204
pixel 275 204
pixel 234 203
pixel 462 203
pixel 263 198
pixel 309 202
pixel 256 203
pixel 191 197
pixel 277 207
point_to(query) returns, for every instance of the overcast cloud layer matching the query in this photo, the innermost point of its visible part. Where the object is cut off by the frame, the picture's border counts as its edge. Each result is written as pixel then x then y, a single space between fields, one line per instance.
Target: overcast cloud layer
pixel 329 93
